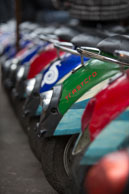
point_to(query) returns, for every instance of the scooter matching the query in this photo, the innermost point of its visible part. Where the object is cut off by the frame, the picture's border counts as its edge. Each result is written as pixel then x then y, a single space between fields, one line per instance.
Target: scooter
pixel 65 35
pixel 32 108
pixel 106 112
pixel 25 44
pixel 27 72
pixel 62 97
pixel 36 66
pixel 111 139
pixel 59 69
pixel 88 39
pixel 102 109
pixel 6 35
pixel 31 47
pixel 46 50
pixel 9 49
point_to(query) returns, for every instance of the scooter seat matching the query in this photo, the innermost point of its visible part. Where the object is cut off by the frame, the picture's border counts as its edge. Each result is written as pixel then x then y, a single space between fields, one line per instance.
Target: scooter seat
pixel 116 42
pixel 90 38
pixel 66 33
pixel 49 30
pixel 115 29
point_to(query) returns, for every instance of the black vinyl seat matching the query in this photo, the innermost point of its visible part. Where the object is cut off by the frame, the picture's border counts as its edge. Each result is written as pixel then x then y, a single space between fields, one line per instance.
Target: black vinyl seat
pixel 48 30
pixel 90 38
pixel 118 29
pixel 66 33
pixel 80 36
pixel 112 43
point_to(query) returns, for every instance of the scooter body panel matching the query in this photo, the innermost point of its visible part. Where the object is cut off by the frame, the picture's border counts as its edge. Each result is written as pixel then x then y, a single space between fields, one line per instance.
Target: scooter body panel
pixel 30 54
pixel 71 122
pixel 74 114
pixel 114 137
pixel 106 105
pixel 23 52
pixel 59 69
pixel 10 49
pixel 76 85
pixel 44 59
pixel 83 80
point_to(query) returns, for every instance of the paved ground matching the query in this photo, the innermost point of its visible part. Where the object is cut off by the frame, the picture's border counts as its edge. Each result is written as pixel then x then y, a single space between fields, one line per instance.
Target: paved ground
pixel 20 171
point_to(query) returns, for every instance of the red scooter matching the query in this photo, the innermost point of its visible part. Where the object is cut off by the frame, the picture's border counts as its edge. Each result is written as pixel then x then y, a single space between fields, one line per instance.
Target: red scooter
pixel 107 105
pixel 103 120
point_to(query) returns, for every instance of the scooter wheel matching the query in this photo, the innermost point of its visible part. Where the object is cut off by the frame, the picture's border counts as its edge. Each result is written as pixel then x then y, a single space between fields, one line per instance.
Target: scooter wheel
pixel 34 140
pixel 57 161
pixel 24 120
pixel 78 173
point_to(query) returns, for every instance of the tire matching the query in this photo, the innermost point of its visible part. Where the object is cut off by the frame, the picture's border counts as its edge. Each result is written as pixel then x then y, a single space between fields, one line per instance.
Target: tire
pixel 24 120
pixel 34 140
pixel 78 174
pixel 57 161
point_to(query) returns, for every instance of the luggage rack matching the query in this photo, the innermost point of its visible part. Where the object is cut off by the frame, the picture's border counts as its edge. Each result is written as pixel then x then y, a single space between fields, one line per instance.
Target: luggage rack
pixel 62 46
pixel 55 41
pixel 122 55
pixel 89 52
pixel 85 52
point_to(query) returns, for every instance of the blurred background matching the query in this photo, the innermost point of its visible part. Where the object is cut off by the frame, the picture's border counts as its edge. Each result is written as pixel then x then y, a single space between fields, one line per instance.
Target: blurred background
pixel 32 10
pixel 40 11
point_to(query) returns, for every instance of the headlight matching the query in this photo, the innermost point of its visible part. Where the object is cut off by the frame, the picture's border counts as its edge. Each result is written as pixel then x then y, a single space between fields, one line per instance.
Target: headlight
pixel 7 65
pixel 1 50
pixel 30 86
pixel 14 65
pixel 20 73
pixel 46 99
pixel 10 64
pixel 3 60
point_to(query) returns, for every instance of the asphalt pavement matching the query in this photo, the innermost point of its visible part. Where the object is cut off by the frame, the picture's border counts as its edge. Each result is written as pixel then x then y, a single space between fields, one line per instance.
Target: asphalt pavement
pixel 20 171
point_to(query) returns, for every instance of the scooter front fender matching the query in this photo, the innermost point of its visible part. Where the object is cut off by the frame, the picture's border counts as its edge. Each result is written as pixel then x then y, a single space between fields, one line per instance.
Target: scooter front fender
pixel 48 55
pixel 84 79
pixel 80 82
pixel 71 122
